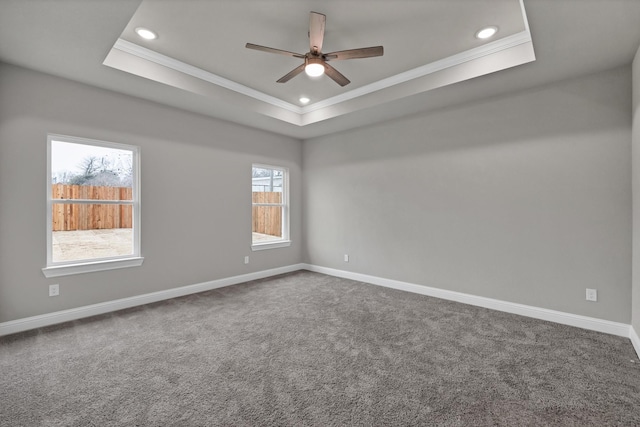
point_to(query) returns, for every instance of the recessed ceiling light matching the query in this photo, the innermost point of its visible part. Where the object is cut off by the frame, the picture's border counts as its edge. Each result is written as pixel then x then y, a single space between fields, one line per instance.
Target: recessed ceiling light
pixel 304 100
pixel 145 33
pixel 486 32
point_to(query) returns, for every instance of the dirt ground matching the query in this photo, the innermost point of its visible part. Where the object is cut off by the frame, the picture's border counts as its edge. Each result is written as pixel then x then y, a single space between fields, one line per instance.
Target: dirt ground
pixel 89 244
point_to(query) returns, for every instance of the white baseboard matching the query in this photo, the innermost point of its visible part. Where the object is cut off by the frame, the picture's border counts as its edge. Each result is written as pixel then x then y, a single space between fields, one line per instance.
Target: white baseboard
pixel 635 340
pixel 591 323
pixel 613 328
pixel 39 321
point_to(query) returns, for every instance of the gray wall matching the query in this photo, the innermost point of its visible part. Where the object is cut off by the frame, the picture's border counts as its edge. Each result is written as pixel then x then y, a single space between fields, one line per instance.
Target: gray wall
pixel 635 309
pixel 196 178
pixel 524 198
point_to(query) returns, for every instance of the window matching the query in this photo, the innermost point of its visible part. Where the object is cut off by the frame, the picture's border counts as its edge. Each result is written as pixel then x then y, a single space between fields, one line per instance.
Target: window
pixel 270 207
pixel 93 207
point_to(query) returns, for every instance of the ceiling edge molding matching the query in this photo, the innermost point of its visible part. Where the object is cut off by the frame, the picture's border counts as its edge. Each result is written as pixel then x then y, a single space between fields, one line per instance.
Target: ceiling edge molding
pixel 524 17
pixel 501 60
pixel 424 70
pixel 174 64
pixel 518 49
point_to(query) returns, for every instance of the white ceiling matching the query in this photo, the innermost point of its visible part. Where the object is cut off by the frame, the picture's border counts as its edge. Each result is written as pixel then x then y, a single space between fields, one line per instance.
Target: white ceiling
pixel 429 42
pixel 235 75
pixel 211 35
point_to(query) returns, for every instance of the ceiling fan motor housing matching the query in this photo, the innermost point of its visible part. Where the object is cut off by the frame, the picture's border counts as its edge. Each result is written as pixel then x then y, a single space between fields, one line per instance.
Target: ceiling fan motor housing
pixel 310 59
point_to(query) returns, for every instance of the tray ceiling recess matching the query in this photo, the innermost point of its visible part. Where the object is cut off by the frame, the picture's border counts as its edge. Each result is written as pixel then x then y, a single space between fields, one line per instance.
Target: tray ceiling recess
pixel 427 45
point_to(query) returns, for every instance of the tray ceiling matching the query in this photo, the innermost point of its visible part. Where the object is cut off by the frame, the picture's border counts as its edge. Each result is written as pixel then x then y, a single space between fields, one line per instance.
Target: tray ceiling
pixel 430 61
pixel 200 49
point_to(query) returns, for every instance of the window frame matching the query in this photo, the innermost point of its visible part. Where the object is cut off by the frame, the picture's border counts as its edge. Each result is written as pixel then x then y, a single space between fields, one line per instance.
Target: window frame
pixel 285 241
pixel 63 268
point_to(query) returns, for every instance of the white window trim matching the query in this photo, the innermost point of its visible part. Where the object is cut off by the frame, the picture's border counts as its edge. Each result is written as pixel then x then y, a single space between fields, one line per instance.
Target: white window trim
pixel 64 268
pixel 270 245
pixel 285 241
pixel 91 266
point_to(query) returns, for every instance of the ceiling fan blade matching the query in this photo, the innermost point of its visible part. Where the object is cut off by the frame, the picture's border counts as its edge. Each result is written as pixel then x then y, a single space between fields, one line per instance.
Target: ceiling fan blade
pixel 272 50
pixel 291 74
pixel 364 52
pixel 316 31
pixel 335 75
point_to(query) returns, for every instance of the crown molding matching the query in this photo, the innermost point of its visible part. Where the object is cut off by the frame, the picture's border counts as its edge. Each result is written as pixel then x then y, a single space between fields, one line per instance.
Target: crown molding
pixel 183 67
pixel 509 51
pixel 424 70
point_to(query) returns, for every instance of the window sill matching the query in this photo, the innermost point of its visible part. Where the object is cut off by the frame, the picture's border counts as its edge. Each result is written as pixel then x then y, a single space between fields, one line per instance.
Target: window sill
pixel 89 267
pixel 270 245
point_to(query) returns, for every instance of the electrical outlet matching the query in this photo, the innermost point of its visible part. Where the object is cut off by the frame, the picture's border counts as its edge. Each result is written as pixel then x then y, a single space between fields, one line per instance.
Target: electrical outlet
pixel 346 257
pixel 54 290
pixel 592 294
pixel 246 259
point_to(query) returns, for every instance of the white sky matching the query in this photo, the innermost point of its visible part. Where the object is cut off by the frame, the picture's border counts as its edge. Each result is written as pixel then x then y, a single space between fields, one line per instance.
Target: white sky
pixel 66 156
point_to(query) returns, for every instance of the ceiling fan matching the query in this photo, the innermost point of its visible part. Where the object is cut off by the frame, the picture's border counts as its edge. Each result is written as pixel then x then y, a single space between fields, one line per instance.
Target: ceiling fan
pixel 315 62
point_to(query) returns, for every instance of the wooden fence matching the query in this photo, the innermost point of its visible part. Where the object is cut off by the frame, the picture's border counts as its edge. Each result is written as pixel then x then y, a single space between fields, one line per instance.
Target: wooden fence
pixel 76 216
pixel 267 219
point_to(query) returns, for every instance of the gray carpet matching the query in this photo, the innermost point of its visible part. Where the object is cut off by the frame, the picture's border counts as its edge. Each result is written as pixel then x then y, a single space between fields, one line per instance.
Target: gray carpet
pixel 309 349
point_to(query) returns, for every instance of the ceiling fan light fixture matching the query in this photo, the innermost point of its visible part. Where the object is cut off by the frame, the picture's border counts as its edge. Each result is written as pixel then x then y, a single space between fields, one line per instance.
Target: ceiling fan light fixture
pixel 487 32
pixel 146 33
pixel 314 67
pixel 314 70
